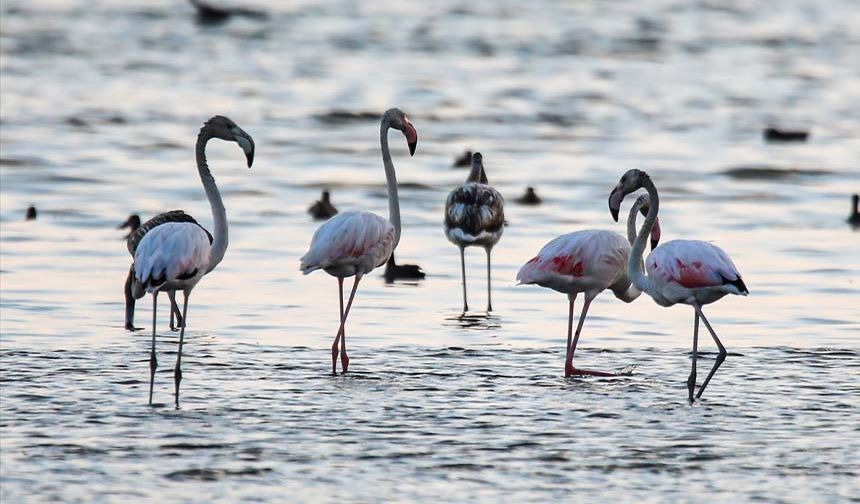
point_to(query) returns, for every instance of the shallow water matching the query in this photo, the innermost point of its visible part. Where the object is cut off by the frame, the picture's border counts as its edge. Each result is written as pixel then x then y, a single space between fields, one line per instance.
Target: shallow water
pixel 100 108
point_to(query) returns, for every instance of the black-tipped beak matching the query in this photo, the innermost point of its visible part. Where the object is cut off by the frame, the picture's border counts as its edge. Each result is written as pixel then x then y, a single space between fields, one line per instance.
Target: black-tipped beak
pixel 250 157
pixel 615 199
pixel 245 142
pixel 412 146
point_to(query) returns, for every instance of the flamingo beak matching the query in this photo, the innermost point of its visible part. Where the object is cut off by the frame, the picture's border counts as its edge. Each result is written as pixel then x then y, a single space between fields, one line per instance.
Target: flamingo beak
pixel 655 233
pixel 411 136
pixel 245 142
pixel 615 199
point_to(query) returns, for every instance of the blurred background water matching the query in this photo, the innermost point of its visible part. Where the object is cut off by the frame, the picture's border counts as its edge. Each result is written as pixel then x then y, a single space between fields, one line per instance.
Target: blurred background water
pixel 101 103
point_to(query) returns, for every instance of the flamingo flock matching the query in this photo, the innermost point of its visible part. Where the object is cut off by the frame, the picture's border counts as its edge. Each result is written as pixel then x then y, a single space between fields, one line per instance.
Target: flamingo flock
pixel 173 252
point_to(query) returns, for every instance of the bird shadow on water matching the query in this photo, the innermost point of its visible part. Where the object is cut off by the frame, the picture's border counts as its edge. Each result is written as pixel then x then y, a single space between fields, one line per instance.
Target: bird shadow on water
pixel 480 321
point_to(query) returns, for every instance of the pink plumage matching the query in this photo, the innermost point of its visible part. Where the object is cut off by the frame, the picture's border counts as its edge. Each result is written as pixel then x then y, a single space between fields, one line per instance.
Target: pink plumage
pixel 350 243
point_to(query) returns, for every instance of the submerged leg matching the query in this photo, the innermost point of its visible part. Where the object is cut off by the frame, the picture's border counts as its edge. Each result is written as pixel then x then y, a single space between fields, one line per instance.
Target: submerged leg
pixel 576 339
pixel 691 380
pixel 153 362
pixel 129 301
pixel 463 270
pixel 720 357
pixel 344 358
pixel 177 371
pixel 334 345
pixel 489 291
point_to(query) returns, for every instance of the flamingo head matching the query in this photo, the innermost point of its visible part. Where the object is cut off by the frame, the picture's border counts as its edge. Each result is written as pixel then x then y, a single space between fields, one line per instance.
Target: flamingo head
pixel 225 129
pixel 397 119
pixel 630 182
pixel 133 222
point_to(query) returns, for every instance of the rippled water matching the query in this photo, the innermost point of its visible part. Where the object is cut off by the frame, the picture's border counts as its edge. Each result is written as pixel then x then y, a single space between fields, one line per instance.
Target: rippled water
pixel 100 107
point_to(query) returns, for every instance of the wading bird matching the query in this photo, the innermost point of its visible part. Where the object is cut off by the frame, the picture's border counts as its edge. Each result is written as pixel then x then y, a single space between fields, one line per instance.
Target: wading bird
pixel 175 255
pixel 475 217
pixel 355 243
pixel 136 233
pixel 689 272
pixel 589 262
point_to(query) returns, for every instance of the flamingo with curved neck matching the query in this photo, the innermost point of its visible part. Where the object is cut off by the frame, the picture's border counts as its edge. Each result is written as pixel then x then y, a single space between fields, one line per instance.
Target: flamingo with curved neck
pixel 587 262
pixel 175 255
pixel 689 272
pixel 355 243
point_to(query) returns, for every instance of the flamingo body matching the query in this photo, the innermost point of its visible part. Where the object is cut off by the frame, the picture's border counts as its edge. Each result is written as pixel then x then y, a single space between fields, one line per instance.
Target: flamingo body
pixel 586 261
pixel 691 272
pixel 172 256
pixel 474 215
pixel 349 244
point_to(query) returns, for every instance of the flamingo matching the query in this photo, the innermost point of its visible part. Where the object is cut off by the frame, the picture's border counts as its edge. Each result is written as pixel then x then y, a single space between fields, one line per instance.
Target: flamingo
pixel 136 233
pixel 689 272
pixel 175 255
pixel 356 243
pixel 475 216
pixel 589 262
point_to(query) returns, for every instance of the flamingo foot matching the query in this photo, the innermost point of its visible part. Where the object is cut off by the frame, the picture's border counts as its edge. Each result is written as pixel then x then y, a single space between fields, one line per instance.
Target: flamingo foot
pixel 587 372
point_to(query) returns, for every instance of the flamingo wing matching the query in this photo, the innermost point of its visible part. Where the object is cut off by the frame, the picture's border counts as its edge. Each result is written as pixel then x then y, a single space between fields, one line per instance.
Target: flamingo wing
pixel 590 259
pixel 473 211
pixel 693 264
pixel 162 218
pixel 352 242
pixel 169 252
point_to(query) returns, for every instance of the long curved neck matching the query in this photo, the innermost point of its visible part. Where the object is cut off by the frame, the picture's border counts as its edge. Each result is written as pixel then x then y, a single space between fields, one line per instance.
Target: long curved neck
pixel 635 264
pixel 219 213
pixel 391 180
pixel 631 222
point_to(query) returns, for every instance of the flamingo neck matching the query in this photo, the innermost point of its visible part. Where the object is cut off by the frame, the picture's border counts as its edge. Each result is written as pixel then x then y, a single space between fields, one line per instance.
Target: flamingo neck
pixel 391 180
pixel 635 264
pixel 219 213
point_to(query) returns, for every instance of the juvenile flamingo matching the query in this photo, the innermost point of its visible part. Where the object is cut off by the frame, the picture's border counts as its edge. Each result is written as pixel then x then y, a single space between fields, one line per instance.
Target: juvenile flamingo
pixel 589 262
pixel 136 233
pixel 475 217
pixel 175 255
pixel 689 272
pixel 356 243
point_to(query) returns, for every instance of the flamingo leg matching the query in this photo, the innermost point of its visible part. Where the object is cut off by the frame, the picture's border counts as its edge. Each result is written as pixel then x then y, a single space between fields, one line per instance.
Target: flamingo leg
pixel 174 310
pixel 568 358
pixel 129 301
pixel 177 371
pixel 691 380
pixel 489 291
pixel 153 362
pixel 334 345
pixel 344 358
pixel 720 357
pixel 569 364
pixel 463 270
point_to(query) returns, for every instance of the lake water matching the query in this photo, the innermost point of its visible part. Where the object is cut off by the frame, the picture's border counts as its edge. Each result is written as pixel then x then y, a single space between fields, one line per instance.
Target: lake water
pixel 100 108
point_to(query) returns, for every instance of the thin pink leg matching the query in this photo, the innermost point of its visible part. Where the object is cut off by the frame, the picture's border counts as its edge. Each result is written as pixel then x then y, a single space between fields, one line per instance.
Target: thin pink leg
pixel 569 363
pixel 568 358
pixel 334 349
pixel 344 358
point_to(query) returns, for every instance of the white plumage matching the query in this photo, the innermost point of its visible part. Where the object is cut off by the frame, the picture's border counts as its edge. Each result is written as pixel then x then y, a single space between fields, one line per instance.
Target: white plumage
pixel 350 243
pixel 173 255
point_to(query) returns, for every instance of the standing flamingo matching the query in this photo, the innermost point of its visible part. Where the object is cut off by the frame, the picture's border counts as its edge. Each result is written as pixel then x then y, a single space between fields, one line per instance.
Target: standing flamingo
pixel 175 255
pixel 690 272
pixel 355 243
pixel 590 262
pixel 475 216
pixel 136 233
